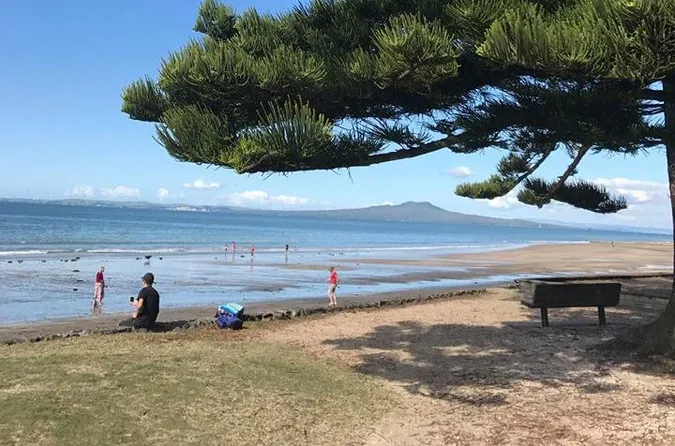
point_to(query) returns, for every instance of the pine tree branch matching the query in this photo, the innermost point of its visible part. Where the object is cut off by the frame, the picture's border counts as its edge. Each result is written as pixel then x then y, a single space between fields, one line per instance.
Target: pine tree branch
pixel 561 180
pixel 656 95
pixel 422 149
pixel 532 169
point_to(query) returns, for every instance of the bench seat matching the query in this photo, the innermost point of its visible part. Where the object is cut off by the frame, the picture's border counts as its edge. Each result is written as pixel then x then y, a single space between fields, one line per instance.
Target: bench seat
pixel 545 294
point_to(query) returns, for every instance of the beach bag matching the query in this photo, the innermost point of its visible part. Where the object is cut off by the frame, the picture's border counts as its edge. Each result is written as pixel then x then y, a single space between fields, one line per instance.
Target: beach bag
pixel 233 309
pixel 229 321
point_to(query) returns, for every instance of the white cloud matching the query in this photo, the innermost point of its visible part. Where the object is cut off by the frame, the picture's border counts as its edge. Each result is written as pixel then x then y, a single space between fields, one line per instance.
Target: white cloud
pixel 636 191
pixel 387 203
pixel 82 191
pixel 289 200
pixel 249 196
pixel 460 172
pixel 262 198
pixel 508 201
pixel 201 184
pixel 121 192
pixel 162 193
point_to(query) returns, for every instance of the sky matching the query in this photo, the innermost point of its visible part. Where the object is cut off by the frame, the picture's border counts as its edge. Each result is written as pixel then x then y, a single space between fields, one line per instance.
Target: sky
pixel 65 64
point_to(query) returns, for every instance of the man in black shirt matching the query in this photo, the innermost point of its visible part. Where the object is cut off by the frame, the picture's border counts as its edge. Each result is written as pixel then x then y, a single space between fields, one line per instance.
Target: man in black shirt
pixel 146 304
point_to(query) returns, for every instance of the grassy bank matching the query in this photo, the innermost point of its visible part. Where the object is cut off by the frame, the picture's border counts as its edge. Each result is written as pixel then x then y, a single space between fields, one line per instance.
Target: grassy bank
pixel 179 388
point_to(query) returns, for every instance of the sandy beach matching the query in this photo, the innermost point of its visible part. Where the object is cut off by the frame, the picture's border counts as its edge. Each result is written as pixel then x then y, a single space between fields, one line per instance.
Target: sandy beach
pixel 481 370
pixel 474 270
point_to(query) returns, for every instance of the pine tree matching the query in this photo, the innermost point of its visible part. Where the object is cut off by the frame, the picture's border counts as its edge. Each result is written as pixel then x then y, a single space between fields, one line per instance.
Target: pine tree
pixel 343 83
pixel 627 44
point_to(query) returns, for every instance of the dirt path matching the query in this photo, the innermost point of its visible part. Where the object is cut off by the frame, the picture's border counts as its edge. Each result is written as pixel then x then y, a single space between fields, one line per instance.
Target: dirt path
pixel 481 370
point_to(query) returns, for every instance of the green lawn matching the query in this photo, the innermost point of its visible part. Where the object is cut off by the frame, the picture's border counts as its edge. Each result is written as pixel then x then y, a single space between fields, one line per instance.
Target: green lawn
pixel 179 388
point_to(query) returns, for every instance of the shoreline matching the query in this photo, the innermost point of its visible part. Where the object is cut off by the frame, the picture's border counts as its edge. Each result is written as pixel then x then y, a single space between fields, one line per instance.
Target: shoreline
pixel 364 279
pixel 197 316
pixel 458 248
pixel 200 315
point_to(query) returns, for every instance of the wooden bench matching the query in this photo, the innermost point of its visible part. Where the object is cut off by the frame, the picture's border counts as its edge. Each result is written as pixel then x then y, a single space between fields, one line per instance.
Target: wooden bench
pixel 545 294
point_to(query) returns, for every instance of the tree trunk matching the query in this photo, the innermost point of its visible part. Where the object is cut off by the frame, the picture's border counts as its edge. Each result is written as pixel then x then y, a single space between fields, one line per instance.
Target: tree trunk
pixel 659 334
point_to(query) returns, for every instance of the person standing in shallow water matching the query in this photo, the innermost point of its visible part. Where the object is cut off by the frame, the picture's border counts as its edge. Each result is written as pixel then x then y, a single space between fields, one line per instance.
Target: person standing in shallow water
pixel 99 287
pixel 333 282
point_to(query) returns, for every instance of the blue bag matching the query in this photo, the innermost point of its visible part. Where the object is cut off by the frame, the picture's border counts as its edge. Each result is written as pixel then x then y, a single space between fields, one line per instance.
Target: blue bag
pixel 231 308
pixel 229 321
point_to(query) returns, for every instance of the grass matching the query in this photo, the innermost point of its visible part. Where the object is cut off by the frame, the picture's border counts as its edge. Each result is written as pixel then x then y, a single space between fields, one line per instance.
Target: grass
pixel 179 388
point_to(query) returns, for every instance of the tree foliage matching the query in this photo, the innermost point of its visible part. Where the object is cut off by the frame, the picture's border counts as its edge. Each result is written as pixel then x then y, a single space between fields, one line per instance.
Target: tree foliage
pixel 341 83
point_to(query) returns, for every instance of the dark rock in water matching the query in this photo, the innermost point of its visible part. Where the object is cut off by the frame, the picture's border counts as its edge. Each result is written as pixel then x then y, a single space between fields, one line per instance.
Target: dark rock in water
pixel 78 258
pixel 148 257
pixel 73 260
pixel 66 260
pixel 9 261
pixel 20 261
pixel 43 261
pixel 138 258
pixel 79 280
pixel 74 289
pixel 76 270
pixel 241 256
pixel 161 258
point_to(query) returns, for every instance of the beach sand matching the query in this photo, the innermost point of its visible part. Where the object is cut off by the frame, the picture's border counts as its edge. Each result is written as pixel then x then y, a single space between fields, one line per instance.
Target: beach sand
pixel 583 258
pixel 481 370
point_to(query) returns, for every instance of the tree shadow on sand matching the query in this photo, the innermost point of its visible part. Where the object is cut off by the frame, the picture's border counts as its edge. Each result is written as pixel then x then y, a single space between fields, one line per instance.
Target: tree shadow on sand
pixel 477 364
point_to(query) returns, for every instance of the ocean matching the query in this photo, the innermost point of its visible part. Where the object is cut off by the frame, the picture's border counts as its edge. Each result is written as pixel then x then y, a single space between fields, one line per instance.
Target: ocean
pixel 49 254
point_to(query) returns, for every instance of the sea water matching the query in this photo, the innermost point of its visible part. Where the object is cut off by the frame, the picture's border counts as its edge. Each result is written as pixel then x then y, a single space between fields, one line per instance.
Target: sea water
pixel 49 254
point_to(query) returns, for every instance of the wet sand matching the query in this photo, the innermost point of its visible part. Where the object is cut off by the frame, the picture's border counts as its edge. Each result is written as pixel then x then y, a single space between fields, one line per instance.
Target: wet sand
pixel 502 266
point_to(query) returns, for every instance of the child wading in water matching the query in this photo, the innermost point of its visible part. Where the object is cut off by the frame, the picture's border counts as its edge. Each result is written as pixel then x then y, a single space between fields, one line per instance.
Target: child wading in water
pixel 99 286
pixel 333 282
pixel 99 291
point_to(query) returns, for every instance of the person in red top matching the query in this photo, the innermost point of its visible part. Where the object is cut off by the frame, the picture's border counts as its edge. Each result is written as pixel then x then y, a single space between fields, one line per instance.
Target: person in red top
pixel 333 282
pixel 252 250
pixel 99 286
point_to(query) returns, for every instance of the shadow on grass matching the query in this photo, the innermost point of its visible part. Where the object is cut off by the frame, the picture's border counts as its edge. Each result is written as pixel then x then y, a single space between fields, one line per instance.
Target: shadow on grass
pixel 477 364
pixel 167 326
pixel 664 399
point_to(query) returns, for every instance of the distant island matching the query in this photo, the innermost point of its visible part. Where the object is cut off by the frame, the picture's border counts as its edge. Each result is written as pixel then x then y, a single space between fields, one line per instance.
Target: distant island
pixel 422 212
pixel 411 211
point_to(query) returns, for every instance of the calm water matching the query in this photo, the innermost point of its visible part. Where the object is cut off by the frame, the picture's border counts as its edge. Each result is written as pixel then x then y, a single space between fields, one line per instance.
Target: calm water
pixel 193 268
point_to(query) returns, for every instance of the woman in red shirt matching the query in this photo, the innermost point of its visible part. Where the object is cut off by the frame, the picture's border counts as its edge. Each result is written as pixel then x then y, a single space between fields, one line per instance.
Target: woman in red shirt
pixel 99 285
pixel 333 282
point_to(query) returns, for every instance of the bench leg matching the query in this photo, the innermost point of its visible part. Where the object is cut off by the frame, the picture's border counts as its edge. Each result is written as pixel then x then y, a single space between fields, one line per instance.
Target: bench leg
pixel 601 315
pixel 544 317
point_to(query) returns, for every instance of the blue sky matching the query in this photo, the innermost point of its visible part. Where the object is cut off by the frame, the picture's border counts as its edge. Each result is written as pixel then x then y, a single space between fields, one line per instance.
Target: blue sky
pixel 63 135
